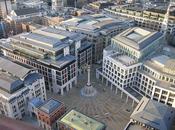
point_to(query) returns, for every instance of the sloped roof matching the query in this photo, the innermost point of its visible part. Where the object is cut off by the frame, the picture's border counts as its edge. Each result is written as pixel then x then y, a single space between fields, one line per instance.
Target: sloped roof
pixel 50 105
pixel 36 102
pixel 9 83
pixel 13 68
pixel 154 114
pixel 31 78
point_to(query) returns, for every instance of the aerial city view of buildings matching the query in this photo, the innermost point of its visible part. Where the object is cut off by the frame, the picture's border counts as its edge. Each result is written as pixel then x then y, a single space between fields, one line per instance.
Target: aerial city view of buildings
pixel 87 64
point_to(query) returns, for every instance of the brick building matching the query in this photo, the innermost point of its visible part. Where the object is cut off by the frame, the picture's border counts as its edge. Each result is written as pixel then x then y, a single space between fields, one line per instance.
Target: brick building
pixel 49 112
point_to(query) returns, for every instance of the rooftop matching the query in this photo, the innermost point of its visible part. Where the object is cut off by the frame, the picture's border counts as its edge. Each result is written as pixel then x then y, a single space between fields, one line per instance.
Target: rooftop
pixel 31 78
pixel 94 23
pixel 79 121
pixel 154 114
pixel 50 105
pixel 36 102
pixel 48 38
pixel 162 63
pixel 61 62
pixel 26 11
pixel 9 84
pixel 123 59
pixel 14 68
pixel 137 38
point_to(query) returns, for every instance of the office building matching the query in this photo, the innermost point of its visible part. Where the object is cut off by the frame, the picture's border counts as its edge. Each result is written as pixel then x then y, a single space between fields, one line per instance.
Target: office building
pixel 151 76
pixel 137 43
pixel 156 79
pixel 152 17
pixel 18 84
pixel 56 53
pixel 98 28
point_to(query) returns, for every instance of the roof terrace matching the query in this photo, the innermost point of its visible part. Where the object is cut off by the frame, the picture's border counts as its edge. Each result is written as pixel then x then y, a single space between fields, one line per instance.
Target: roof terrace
pixel 123 59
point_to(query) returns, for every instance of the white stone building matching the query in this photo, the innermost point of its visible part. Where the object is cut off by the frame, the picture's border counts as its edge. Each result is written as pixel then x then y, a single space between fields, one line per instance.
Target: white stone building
pixel 153 75
pixel 18 85
pixel 156 79
pixel 137 42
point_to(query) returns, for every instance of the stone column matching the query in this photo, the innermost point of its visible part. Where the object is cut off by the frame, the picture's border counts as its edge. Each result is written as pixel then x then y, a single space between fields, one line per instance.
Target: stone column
pixel 116 90
pixel 70 85
pixel 62 92
pixel 133 103
pixel 106 82
pixel 111 86
pixel 76 80
pixel 67 88
pixel 102 78
pixel 126 98
pixel 97 75
pixel 89 76
pixel 121 93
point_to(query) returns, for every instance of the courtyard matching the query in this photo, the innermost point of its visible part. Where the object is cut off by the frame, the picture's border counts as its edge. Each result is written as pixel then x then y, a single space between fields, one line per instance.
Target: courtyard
pixel 105 106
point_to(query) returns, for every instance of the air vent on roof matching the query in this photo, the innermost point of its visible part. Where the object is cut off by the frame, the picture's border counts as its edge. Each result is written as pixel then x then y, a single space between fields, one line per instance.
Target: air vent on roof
pixel 72 120
pixel 86 123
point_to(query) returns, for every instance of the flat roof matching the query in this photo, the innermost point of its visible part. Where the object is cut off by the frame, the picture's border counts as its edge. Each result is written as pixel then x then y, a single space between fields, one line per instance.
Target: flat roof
pixel 137 38
pixel 154 114
pixel 94 23
pixel 160 60
pixel 47 38
pixel 42 39
pixel 123 59
pixel 162 63
pixel 26 11
pixel 50 105
pixel 79 121
pixel 61 62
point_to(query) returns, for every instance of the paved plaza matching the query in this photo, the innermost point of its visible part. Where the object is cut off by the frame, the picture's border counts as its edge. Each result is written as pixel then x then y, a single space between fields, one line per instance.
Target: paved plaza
pixel 106 106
